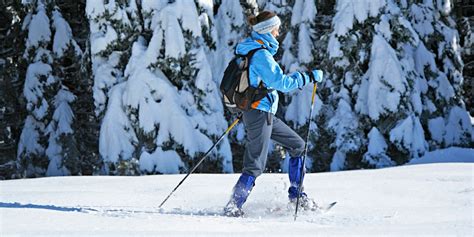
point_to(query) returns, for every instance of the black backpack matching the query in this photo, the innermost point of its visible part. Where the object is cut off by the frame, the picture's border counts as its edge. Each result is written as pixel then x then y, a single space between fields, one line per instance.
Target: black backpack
pixel 235 85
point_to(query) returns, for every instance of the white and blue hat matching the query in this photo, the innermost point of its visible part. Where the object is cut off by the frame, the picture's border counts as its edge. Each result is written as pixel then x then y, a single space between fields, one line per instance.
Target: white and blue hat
pixel 267 26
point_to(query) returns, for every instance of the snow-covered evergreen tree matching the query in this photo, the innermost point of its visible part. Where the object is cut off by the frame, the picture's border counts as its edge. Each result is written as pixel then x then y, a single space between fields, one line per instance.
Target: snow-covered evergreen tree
pixel 62 148
pixel 114 26
pixel 38 91
pixel 381 84
pixel 182 47
pixel 439 61
pixel 376 65
pixel 166 111
pixel 46 140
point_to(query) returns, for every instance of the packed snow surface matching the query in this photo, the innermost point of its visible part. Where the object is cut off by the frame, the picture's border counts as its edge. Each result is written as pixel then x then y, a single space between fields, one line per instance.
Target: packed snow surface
pixel 425 199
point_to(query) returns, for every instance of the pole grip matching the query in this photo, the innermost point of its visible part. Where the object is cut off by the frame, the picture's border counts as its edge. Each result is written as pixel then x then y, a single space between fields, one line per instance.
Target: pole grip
pixel 314 94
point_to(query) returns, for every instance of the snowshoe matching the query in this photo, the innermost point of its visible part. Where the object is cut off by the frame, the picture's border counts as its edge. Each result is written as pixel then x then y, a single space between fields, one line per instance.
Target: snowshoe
pixel 231 210
pixel 306 203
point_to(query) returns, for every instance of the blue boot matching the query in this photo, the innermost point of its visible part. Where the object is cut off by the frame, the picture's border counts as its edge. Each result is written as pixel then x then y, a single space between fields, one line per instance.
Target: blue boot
pixel 295 172
pixel 240 193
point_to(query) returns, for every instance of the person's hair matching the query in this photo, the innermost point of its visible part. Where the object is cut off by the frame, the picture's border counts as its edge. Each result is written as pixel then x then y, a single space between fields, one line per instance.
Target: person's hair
pixel 262 16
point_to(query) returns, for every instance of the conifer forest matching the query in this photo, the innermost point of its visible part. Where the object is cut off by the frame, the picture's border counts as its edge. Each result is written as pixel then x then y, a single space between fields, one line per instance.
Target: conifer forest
pixel 131 87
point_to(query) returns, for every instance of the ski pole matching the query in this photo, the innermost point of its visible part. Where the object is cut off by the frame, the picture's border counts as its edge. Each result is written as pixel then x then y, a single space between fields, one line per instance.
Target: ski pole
pixel 300 185
pixel 202 159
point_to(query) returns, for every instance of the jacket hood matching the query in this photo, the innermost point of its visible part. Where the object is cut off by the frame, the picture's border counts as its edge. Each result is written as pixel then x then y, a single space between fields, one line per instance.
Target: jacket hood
pixel 270 43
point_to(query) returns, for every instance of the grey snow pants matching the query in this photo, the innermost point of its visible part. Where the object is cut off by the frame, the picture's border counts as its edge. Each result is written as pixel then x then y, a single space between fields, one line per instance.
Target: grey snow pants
pixel 262 126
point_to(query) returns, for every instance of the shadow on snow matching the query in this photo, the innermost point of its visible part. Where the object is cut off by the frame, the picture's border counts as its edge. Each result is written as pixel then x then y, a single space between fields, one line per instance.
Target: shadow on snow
pixel 111 211
pixel 44 207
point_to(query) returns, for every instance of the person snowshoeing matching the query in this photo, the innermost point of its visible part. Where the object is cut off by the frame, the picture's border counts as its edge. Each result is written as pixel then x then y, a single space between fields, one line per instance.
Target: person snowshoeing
pixel 260 121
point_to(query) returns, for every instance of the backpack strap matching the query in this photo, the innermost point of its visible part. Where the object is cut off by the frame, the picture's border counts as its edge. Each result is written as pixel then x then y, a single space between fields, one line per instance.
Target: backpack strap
pixel 249 57
pixel 250 54
pixel 261 91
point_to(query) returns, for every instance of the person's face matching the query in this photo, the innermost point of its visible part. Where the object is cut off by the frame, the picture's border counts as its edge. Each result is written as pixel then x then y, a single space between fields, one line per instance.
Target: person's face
pixel 276 32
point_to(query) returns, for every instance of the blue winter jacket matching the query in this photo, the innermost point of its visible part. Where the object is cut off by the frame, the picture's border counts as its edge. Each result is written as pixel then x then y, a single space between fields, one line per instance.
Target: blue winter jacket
pixel 264 68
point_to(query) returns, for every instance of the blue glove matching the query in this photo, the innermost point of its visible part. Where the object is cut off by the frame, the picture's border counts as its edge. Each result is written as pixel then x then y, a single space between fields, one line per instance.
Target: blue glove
pixel 317 76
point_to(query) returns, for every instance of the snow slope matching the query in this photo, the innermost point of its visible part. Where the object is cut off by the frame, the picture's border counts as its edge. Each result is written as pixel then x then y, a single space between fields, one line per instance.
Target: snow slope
pixel 428 199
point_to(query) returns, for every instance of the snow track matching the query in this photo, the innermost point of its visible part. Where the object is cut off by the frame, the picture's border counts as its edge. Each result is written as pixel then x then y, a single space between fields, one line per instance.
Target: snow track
pixel 432 199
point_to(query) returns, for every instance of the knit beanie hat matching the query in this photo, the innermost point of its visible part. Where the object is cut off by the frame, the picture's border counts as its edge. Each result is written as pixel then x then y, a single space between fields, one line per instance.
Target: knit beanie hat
pixel 267 26
pixel 265 22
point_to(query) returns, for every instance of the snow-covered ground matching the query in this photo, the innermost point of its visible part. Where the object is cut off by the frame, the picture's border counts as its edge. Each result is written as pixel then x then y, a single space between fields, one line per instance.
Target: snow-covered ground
pixel 426 199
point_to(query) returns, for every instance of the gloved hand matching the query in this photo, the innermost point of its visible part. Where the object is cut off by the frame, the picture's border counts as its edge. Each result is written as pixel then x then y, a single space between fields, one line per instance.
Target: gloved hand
pixel 316 76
